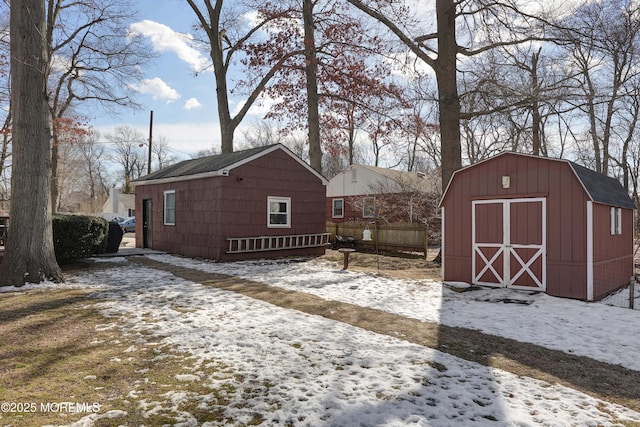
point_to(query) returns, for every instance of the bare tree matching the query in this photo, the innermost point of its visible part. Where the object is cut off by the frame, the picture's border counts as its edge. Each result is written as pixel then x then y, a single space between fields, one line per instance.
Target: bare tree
pixel 128 154
pixel 359 118
pixel 262 133
pixel 30 255
pixel 513 91
pixel 416 140
pixel 82 175
pixel 92 57
pixel 294 51
pixel 603 40
pixel 226 41
pixel 444 66
pixel 489 24
pixel 404 197
pixel 160 150
pixel 5 164
pixel 71 192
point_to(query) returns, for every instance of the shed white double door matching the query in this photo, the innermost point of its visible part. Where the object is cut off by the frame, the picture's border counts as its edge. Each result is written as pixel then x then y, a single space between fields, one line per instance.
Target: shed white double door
pixel 509 243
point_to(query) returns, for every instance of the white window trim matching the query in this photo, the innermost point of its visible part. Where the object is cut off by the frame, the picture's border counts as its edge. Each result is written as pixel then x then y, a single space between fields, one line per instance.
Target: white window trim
pixel 286 200
pixel 619 220
pixel 589 251
pixel 616 221
pixel 364 205
pixel 333 208
pixel 164 208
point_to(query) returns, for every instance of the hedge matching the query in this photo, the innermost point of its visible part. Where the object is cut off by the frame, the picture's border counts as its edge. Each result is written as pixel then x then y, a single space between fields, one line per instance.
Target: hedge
pixel 78 236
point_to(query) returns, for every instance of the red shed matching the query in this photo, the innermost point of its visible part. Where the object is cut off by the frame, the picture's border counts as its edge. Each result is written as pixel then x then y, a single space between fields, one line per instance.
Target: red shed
pixel 536 223
pixel 256 203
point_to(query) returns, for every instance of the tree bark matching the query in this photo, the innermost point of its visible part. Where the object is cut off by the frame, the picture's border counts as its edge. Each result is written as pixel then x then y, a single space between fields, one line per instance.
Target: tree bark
pixel 536 121
pixel 30 255
pixel 55 205
pixel 227 125
pixel 448 99
pixel 311 69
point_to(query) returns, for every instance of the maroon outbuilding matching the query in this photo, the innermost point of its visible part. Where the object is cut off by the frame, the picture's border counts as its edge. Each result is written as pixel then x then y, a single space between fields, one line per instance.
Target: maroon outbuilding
pixel 535 223
pixel 256 203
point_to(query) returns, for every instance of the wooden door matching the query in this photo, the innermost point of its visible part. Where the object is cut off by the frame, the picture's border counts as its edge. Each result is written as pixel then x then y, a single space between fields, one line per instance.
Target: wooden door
pixel 509 243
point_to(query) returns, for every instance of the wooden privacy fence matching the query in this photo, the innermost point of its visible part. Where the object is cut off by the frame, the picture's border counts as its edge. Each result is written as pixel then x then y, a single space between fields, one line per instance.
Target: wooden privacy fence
pixel 395 236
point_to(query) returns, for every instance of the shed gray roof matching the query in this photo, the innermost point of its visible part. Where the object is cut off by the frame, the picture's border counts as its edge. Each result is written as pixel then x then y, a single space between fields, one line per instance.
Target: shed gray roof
pixel 602 188
pixel 216 165
pixel 202 164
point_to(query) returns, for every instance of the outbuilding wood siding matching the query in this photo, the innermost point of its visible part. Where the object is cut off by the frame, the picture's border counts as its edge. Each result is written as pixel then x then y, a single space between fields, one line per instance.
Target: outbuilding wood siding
pixel 566 211
pixel 613 254
pixel 209 210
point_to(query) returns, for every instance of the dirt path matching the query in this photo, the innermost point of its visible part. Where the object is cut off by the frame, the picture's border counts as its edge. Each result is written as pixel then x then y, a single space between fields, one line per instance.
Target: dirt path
pixel 612 383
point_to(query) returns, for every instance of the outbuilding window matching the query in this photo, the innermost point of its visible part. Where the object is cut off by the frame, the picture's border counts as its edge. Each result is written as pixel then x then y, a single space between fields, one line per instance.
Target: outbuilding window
pixel 278 212
pixel 338 208
pixel 616 221
pixel 170 207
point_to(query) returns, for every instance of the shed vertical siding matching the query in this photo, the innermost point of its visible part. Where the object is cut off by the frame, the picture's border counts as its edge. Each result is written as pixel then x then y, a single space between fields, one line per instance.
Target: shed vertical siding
pixel 457 232
pixel 612 254
pixel 580 246
pixel 530 177
pixel 566 248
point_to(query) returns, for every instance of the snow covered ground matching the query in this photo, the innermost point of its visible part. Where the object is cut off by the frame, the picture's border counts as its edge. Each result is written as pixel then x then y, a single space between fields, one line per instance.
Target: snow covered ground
pixel 318 372
pixel 599 331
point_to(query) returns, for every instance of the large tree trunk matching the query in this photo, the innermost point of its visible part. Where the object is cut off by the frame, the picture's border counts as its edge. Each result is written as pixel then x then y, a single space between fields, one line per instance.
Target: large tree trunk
pixel 315 151
pixel 54 174
pixel 536 121
pixel 227 126
pixel 448 99
pixel 29 254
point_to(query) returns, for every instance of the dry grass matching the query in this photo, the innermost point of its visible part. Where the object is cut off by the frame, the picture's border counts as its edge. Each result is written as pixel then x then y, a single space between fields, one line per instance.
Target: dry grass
pixel 398 265
pixel 54 348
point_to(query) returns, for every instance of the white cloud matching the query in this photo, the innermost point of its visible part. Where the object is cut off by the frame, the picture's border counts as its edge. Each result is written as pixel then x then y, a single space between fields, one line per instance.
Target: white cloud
pixel 60 63
pixel 157 88
pixel 259 108
pixel 164 39
pixel 192 103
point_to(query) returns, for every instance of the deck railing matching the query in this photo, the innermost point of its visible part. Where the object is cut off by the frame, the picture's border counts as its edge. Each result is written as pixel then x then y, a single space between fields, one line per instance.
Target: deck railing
pixel 276 243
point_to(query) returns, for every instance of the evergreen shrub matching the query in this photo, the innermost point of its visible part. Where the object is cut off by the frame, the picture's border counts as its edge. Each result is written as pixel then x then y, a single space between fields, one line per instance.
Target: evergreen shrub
pixel 78 236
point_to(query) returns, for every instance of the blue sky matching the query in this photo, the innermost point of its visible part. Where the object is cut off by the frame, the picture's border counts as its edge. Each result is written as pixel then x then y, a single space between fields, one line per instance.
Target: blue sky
pixel 183 104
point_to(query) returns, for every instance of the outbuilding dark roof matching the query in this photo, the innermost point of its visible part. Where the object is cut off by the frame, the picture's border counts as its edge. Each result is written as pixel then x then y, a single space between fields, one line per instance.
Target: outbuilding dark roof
pixel 203 164
pixel 602 188
pixel 218 165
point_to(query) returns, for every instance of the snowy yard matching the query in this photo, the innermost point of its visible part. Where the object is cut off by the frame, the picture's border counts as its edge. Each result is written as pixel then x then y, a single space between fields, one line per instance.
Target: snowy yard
pixel 306 370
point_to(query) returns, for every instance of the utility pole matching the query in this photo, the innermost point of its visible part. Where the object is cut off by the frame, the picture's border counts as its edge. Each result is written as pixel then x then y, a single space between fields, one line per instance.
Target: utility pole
pixel 150 138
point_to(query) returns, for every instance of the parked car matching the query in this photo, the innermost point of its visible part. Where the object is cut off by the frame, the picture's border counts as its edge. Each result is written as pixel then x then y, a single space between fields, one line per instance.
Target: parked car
pixel 128 225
